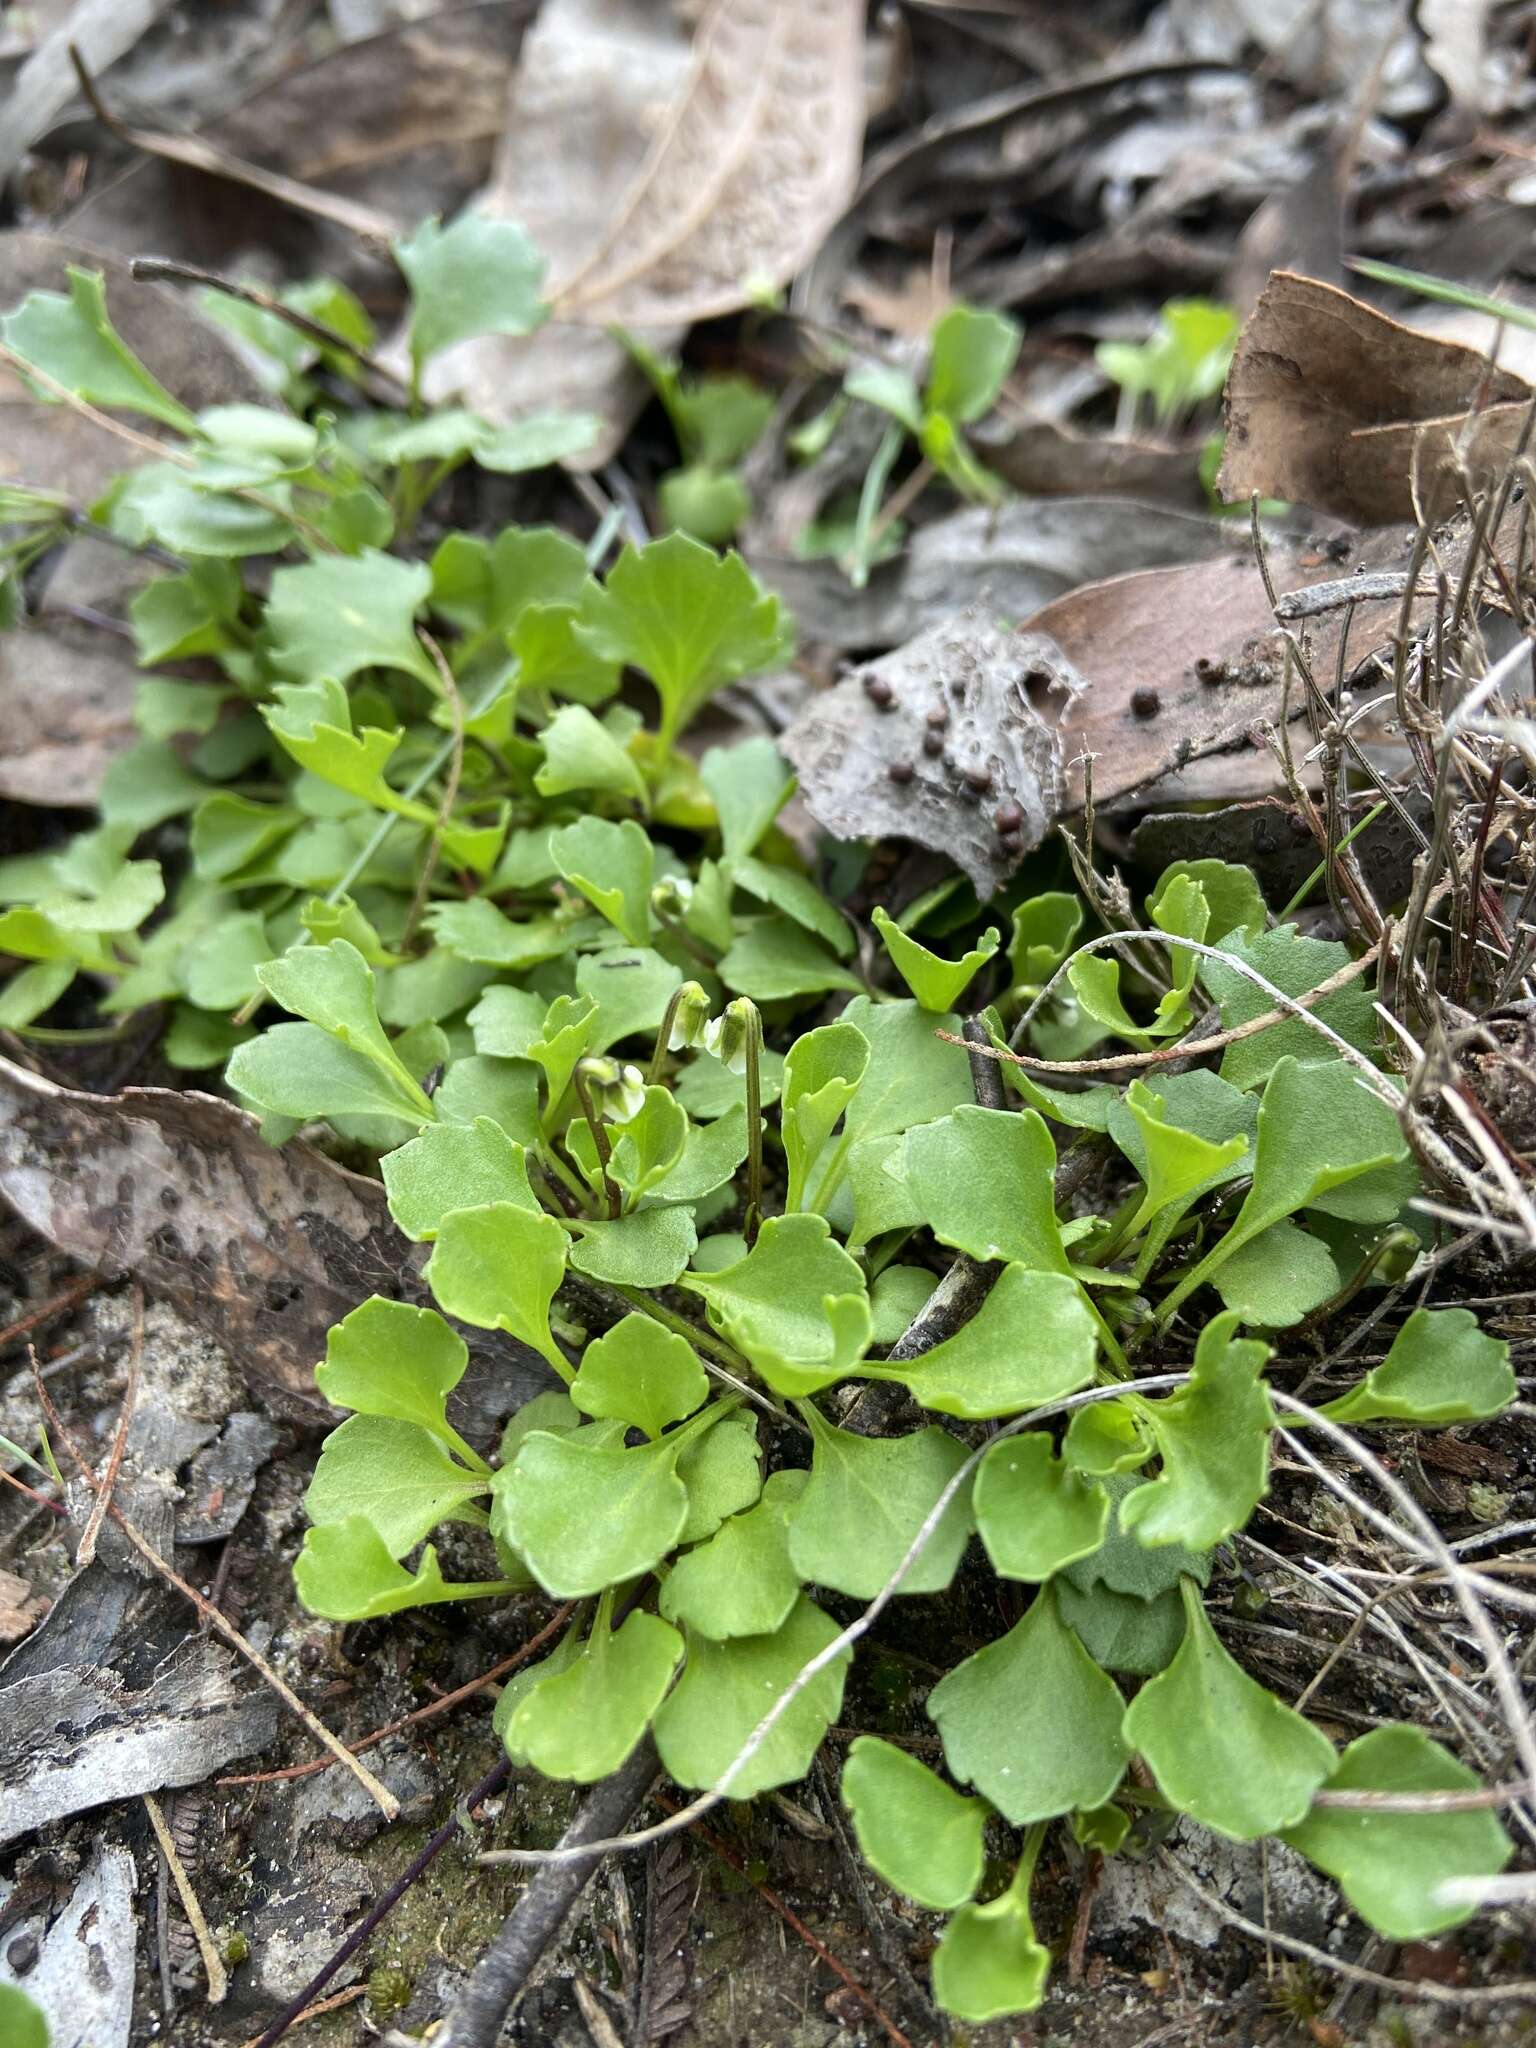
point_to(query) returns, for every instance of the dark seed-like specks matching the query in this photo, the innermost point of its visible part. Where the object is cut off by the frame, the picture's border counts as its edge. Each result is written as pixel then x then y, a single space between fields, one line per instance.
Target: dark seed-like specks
pixel 1011 843
pixel 1008 817
pixel 937 715
pixel 1145 702
pixel 879 692
pixel 933 742
pixel 978 778
pixel 900 771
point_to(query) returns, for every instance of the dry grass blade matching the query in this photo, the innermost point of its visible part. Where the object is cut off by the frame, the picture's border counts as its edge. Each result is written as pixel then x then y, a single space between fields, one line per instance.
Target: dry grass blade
pixel 218 1981
pixel 760 156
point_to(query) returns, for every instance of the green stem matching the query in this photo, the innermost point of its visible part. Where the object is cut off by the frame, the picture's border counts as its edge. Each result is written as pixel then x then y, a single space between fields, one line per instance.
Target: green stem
pixel 600 1142
pixel 659 1057
pixel 754 1215
pixel 1322 867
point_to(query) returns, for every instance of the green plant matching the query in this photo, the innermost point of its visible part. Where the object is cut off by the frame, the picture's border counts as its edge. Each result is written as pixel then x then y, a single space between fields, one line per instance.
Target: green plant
pixel 553 976
pixel 717 420
pixel 1181 364
pixel 22 2025
pixel 970 355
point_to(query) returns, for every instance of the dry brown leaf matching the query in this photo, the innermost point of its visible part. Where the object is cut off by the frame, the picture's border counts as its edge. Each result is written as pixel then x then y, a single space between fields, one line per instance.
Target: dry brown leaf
pixel 759 157
pixel 1336 405
pixel 576 128
pixel 403 123
pixel 263 1249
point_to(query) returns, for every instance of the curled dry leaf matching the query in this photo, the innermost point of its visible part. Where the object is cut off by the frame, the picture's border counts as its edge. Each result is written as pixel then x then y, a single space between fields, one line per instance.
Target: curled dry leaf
pixel 577 125
pixel 1335 404
pixel 759 157
pixel 263 1249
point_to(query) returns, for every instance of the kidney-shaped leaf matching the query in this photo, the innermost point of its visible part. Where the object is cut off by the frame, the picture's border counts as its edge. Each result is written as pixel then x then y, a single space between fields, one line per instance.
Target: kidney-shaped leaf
pixel 1440 1368
pixel 1031 1341
pixel 866 1501
pixel 1033 1512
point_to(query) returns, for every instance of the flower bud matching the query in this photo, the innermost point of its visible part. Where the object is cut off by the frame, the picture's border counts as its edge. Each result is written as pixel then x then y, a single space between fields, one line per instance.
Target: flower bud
pixel 690 1018
pixel 730 1034
pixel 616 1092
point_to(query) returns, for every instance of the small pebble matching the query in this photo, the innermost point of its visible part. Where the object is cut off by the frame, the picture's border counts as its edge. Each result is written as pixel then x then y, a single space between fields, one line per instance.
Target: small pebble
pixel 1145 702
pixel 22 1954
pixel 900 771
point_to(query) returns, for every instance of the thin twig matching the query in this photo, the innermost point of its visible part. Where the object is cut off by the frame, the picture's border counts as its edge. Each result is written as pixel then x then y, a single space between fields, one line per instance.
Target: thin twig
pixel 213 1964
pixel 1184 1048
pixel 448 1701
pixel 381 1795
pixel 452 1830
pixel 350 1996
pixel 87 1550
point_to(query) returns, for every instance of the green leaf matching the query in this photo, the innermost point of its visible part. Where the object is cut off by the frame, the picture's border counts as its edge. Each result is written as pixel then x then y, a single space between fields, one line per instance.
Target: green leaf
pixel 588 1514
pixel 867 1499
pixel 631 987
pixel 1390 1865
pixel 1221 1747
pixel 475 276
pixel 1278 1277
pixel 708 503
pixel 613 867
pixel 919 1834
pixel 344 1573
pixel 581 1723
pixel 229 832
pixel 581 753
pixel 1031 1720
pixel 741 1582
pixel 1232 894
pixel 973 352
pixel 891 390
pixel 398 1476
pixel 727 1688
pixel 506 1091
pixel 723 1473
pixel 795 1305
pixel 1440 1368
pixel 22 2024
pixel 822 1071
pixel 648 1145
pixel 34 991
pixel 796 895
pixel 1044 928
pixel 454 1166
pixel 389 1359
pixel 988 1962
pixel 649 1248
pixel 749 785
pixel 498 1267
pixel 1033 1340
pixel 913 1076
pixel 985 1180
pixel 938 984
pixel 298 1070
pixel 72 340
pixel 1033 1512
pixel 1213 1435
pixel 1176 1163
pixel 774 958
pixel 339 614
pixel 641 1373
pixel 1319 1128
pixel 711 1155
pixel 1123 1599
pixel 691 619
pixel 897 1297
pixel 1295 965
pixel 332 986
